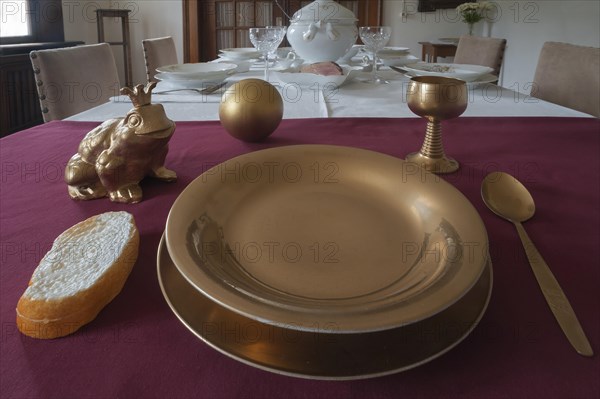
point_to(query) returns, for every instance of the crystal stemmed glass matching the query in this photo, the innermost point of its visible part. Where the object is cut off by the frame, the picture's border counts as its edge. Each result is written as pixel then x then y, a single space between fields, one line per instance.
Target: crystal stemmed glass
pixel 266 40
pixel 375 38
pixel 435 98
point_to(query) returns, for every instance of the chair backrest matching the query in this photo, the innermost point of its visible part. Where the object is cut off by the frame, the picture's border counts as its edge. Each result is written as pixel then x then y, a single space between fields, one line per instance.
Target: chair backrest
pixel 476 50
pixel 74 79
pixel 569 75
pixel 158 52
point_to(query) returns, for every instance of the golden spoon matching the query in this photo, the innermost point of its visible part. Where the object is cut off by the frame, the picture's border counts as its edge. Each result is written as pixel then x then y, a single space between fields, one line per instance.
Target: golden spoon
pixel 508 198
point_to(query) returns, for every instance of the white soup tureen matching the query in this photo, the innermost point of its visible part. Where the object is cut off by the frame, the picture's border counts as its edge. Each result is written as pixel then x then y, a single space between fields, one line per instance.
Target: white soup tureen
pixel 322 31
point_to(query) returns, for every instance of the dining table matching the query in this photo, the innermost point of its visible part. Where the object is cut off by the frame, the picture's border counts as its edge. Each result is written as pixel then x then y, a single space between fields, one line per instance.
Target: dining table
pixel 138 348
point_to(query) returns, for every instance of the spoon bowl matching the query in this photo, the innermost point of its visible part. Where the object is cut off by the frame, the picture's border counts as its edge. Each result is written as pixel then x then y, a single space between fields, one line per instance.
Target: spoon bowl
pixel 509 199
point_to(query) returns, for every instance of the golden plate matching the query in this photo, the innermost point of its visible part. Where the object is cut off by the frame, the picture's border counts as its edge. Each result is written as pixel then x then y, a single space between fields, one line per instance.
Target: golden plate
pixel 320 355
pixel 315 237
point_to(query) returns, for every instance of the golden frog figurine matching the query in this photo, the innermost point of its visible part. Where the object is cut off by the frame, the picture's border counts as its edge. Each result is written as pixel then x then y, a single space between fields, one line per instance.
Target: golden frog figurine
pixel 114 157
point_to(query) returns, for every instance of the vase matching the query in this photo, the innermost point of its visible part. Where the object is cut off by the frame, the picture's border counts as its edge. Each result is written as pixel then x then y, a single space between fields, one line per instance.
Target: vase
pixel 471 25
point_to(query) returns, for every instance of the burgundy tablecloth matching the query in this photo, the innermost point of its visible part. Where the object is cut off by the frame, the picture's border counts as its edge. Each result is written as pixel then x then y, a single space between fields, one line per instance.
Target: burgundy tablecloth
pixel 137 347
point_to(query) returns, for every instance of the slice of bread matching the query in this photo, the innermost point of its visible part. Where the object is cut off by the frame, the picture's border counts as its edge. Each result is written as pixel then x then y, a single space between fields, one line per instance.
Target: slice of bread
pixel 84 270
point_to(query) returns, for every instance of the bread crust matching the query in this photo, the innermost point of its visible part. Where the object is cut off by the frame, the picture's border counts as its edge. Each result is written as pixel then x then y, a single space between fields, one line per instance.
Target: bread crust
pixel 52 318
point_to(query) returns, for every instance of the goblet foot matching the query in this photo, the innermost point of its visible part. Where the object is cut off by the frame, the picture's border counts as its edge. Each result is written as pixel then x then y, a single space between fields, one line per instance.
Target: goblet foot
pixel 435 165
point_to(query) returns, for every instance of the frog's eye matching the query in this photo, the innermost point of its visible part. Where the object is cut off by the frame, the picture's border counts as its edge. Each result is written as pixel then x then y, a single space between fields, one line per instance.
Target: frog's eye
pixel 134 120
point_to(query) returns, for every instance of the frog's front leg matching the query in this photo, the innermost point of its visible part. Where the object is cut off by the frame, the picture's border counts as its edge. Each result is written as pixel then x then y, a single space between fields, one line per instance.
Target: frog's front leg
pixel 164 174
pixel 119 179
pixel 157 167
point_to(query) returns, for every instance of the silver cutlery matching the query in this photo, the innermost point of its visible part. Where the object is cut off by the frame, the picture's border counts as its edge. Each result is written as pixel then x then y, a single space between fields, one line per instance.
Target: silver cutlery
pixel 206 90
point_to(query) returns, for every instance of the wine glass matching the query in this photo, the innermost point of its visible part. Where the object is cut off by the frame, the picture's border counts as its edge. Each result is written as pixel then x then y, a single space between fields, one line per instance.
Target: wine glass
pixel 436 99
pixel 266 40
pixel 375 38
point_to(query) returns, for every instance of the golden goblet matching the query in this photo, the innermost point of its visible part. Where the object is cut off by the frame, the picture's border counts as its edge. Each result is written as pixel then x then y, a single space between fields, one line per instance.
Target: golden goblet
pixel 435 98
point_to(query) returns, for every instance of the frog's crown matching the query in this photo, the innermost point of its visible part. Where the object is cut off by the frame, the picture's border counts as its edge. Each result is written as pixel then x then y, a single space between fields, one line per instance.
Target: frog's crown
pixel 140 95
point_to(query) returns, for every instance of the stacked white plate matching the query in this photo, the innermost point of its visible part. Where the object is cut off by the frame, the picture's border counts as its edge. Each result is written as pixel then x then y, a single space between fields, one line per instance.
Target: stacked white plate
pixel 239 54
pixel 325 262
pixel 396 56
pixel 244 57
pixel 197 75
pixel 466 72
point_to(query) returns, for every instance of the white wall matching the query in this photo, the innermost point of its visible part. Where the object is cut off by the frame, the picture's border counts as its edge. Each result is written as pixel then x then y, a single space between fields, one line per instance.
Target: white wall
pixel 147 19
pixel 525 24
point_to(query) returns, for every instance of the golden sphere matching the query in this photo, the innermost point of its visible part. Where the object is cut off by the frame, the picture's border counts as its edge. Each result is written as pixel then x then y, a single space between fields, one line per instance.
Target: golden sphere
pixel 251 109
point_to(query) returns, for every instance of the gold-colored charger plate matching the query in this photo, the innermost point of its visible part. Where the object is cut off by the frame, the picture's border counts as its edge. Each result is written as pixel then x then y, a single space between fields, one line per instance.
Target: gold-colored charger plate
pixel 313 236
pixel 320 355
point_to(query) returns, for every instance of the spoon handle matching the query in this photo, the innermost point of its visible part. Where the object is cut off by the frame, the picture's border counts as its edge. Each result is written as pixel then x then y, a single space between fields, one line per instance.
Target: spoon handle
pixel 556 298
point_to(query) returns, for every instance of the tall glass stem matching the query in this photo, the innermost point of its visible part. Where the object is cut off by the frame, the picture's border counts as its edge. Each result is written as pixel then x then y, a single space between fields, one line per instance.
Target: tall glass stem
pixel 267 66
pixel 374 72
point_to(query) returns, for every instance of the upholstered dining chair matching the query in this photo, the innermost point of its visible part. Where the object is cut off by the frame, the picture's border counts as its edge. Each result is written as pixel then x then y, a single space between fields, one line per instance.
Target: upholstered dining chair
pixel 158 52
pixel 569 75
pixel 485 51
pixel 72 80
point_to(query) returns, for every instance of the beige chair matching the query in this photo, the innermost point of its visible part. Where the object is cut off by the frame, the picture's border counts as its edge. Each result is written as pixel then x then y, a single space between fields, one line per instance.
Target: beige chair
pixel 485 51
pixel 75 79
pixel 569 75
pixel 158 52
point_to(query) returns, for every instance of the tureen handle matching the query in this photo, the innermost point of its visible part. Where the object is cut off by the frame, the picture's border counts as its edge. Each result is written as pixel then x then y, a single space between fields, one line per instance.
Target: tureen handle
pixel 331 32
pixel 311 31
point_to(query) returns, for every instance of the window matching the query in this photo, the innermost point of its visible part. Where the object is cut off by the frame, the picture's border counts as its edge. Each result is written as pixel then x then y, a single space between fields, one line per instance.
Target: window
pixel 15 22
pixel 27 21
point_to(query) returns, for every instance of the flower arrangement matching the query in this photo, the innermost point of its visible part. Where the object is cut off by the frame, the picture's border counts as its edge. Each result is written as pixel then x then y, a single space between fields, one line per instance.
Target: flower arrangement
pixel 472 13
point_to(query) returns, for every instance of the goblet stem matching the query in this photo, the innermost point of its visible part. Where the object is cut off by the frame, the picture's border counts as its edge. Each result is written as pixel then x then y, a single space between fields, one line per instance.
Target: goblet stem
pixel 431 157
pixel 432 146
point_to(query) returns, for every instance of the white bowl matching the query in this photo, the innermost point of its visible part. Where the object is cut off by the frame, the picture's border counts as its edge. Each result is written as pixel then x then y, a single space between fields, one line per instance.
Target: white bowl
pixel 240 53
pixel 399 61
pixel 465 72
pixel 198 71
pixel 314 81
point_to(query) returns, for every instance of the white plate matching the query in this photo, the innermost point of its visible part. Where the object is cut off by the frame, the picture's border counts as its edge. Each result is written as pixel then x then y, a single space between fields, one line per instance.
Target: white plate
pixel 487 78
pixel 393 51
pixel 465 72
pixel 197 71
pixel 167 84
pixel 242 65
pixel 312 80
pixel 451 40
pixel 240 53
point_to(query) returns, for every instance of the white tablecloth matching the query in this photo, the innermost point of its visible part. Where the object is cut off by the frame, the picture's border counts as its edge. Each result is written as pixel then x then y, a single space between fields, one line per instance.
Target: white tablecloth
pixel 353 99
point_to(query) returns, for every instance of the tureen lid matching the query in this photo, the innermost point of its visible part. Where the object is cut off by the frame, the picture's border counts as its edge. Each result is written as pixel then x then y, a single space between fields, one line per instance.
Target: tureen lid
pixel 323 10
